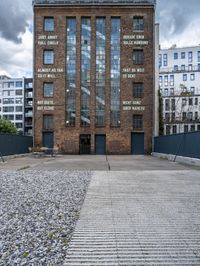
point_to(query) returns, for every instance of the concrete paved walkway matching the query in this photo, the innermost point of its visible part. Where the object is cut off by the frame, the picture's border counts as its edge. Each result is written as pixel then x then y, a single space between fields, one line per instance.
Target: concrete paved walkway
pixel 139 218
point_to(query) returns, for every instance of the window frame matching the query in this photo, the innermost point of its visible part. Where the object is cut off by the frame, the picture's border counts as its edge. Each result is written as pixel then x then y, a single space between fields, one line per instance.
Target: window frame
pixel 140 28
pixel 44 95
pixel 48 50
pixel 44 28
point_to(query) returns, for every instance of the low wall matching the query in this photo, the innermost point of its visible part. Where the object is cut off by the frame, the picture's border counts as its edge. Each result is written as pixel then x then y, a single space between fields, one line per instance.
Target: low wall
pixel 14 144
pixel 185 144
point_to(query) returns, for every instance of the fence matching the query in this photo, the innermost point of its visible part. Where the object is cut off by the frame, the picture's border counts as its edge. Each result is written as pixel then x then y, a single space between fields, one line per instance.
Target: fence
pixel 14 144
pixel 185 144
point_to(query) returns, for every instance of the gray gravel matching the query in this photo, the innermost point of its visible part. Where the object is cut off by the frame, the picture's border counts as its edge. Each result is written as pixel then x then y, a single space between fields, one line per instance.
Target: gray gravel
pixel 38 212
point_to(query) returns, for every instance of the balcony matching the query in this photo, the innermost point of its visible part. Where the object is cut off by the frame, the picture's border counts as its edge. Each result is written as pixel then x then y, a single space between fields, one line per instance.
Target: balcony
pixel 94 2
pixel 29 114
pixel 29 95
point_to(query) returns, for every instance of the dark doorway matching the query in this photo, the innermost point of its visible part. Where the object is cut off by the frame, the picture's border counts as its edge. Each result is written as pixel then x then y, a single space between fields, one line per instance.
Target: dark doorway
pixel 100 144
pixel 85 144
pixel 137 143
pixel 48 140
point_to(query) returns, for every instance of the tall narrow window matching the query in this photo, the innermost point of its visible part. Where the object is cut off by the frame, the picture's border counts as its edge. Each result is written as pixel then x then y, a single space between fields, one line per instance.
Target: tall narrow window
pixel 71 72
pixel 138 23
pixel 190 56
pixel 100 70
pixel 48 57
pixel 137 122
pixel 138 90
pixel 47 122
pixel 115 72
pixel 49 24
pixel 165 60
pixel 48 89
pixel 198 56
pixel 85 70
pixel 138 57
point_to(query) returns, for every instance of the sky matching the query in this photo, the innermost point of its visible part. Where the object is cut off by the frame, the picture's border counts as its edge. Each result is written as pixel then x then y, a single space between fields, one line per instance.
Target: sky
pixel 179 24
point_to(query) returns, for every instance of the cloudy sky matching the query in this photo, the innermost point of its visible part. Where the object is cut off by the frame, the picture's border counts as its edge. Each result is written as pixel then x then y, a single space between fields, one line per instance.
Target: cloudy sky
pixel 179 24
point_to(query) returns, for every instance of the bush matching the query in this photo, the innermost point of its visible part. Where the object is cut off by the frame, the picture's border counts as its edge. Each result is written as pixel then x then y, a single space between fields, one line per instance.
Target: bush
pixel 7 127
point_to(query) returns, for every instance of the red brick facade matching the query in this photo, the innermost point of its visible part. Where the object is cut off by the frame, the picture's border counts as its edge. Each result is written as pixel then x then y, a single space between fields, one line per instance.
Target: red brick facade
pixel 118 140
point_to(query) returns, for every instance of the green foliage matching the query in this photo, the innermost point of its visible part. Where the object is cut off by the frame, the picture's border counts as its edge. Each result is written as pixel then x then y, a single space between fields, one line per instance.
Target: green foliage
pixel 7 127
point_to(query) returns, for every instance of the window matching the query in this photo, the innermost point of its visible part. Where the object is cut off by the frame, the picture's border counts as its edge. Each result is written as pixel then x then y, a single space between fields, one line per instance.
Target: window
pixel 8 109
pixel 48 89
pixel 190 101
pixel 198 55
pixel 175 56
pixel 18 100
pixel 183 67
pixel 189 57
pixel 190 67
pixel 165 60
pixel 192 128
pixel 184 116
pixel 138 23
pixel 167 117
pixel 198 66
pixel 137 122
pixel 138 57
pixel 182 55
pixel 8 101
pixel 168 129
pixel 171 80
pixel 173 117
pixel 138 90
pixel 198 127
pixel 190 116
pixel 192 76
pixel 171 91
pixel 18 108
pixel 18 125
pixel 160 81
pixel 18 117
pixel 166 80
pixel 185 128
pixel 47 122
pixel 173 103
pixel 192 90
pixel 196 115
pixel 174 129
pixel 160 60
pixel 166 92
pixel 18 84
pixel 167 105
pixel 48 57
pixel 184 101
pixel 9 117
pixel 184 77
pixel 175 68
pixel 18 92
pixel 49 24
pixel 196 101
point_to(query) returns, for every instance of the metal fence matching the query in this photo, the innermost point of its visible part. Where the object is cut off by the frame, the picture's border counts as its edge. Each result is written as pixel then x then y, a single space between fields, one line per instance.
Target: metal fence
pixel 14 144
pixel 185 144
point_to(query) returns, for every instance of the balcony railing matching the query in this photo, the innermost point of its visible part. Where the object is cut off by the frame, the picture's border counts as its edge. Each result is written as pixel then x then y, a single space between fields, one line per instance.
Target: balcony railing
pixel 94 2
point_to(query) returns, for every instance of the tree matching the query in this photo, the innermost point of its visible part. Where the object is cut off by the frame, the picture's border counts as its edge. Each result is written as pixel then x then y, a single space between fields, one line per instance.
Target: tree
pixel 7 127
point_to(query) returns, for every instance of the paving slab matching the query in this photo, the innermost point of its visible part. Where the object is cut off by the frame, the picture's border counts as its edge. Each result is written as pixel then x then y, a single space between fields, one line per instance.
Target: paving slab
pixel 139 218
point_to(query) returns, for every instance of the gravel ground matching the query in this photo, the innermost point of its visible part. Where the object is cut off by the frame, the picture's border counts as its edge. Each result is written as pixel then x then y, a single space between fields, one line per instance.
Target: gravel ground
pixel 38 212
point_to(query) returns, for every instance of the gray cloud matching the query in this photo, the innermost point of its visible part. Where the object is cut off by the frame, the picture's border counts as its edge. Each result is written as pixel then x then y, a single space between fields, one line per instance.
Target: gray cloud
pixel 175 16
pixel 14 17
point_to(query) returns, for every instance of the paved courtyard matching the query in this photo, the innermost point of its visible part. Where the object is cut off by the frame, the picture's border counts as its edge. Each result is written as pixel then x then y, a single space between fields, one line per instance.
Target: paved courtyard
pixel 138 210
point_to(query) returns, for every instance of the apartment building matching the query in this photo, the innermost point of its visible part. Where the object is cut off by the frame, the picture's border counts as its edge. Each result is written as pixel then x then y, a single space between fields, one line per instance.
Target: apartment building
pixel 180 88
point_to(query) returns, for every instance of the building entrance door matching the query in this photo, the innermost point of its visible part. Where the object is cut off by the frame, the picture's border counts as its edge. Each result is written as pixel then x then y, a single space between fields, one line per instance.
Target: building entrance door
pixel 137 143
pixel 100 144
pixel 85 144
pixel 47 139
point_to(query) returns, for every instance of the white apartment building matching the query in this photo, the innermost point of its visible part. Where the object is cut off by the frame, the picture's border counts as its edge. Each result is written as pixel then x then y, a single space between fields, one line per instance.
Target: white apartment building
pixel 12 101
pixel 179 81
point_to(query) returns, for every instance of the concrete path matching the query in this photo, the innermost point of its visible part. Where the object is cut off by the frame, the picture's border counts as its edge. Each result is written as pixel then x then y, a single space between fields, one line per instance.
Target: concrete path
pixel 139 218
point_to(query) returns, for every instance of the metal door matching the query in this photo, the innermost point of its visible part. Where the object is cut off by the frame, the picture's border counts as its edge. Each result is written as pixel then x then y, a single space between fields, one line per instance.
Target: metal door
pixel 100 144
pixel 137 143
pixel 48 139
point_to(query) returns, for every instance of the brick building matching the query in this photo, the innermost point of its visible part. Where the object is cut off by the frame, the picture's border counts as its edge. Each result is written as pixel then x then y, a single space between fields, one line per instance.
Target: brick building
pixel 94 75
